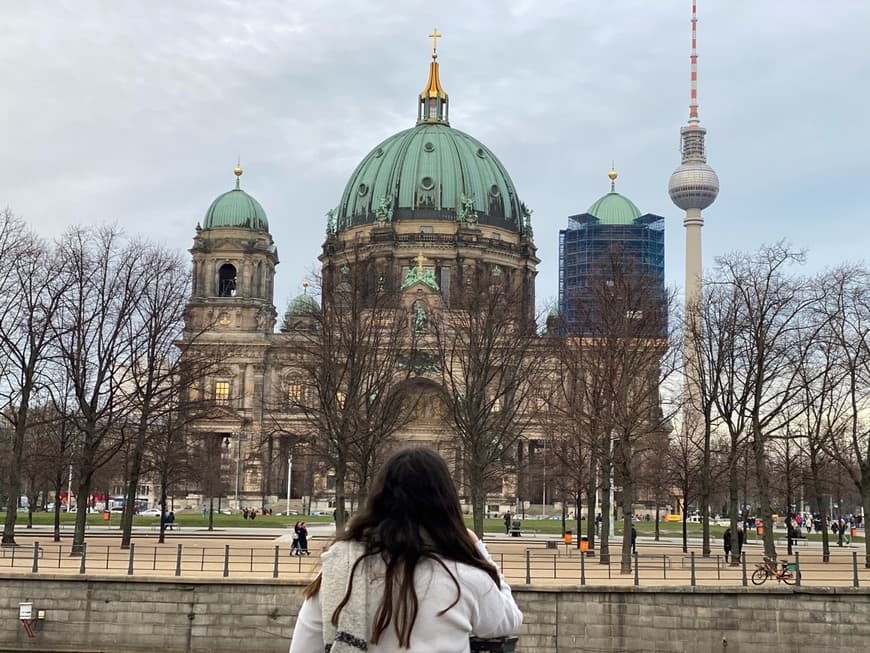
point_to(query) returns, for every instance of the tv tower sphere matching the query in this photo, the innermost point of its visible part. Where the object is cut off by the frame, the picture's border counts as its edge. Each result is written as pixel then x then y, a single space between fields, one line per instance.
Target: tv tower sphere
pixel 694 185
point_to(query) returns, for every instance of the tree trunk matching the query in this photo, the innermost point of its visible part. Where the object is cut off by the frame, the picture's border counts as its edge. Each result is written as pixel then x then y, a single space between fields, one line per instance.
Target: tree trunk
pixel 733 500
pixel 865 503
pixel 604 555
pixel 83 493
pixel 13 473
pixel 705 490
pixel 590 507
pixel 134 473
pixel 763 492
pixel 627 501
pixel 340 479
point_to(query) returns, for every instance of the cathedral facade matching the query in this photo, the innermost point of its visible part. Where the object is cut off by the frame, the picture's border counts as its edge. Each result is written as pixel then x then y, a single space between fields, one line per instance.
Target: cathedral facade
pixel 427 213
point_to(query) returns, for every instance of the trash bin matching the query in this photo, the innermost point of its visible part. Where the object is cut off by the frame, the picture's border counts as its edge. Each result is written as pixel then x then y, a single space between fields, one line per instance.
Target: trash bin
pixel 760 531
pixel 107 516
pixel 515 528
pixel 569 536
pixel 584 544
pixel 854 532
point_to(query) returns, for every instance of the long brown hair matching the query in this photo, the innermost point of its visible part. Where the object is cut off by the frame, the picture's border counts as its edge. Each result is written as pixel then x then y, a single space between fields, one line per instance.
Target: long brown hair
pixel 412 513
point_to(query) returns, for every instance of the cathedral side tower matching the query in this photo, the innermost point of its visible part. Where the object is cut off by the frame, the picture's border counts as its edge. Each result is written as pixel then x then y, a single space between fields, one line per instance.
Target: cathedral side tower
pixel 234 262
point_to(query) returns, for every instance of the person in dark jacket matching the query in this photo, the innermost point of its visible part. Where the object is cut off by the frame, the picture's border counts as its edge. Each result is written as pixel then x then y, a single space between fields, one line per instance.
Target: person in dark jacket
pixel 302 535
pixel 726 543
pixel 741 536
pixel 633 539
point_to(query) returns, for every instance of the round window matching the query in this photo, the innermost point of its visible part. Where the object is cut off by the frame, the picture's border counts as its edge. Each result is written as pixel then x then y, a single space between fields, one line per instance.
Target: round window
pixel 429 147
pixel 494 191
pixel 481 153
pixel 363 189
pixel 379 153
pixel 427 183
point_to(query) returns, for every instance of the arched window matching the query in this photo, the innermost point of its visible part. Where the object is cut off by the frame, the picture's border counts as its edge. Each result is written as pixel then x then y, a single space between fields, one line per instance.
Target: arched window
pixel 227 280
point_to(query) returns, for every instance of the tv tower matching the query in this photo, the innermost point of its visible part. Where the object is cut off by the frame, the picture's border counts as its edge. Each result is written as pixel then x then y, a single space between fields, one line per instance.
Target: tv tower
pixel 694 185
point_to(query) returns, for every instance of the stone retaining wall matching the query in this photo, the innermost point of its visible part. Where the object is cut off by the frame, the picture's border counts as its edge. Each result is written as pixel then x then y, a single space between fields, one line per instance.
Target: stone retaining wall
pixel 92 614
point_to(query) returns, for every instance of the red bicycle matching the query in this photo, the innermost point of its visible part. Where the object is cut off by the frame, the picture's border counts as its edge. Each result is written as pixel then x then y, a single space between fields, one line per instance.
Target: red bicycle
pixel 786 572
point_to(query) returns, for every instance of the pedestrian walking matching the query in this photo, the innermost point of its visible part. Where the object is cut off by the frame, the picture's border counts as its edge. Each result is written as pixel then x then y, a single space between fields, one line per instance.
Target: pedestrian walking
pixel 302 534
pixel 726 543
pixel 507 522
pixel 406 574
pixel 633 539
pixel 294 544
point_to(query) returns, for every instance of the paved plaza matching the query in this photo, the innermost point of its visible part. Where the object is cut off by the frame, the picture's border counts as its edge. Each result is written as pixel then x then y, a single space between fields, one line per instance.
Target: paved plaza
pixel 240 553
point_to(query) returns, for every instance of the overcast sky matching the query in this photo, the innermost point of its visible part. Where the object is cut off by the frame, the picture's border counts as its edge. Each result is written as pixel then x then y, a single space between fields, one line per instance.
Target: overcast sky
pixel 135 112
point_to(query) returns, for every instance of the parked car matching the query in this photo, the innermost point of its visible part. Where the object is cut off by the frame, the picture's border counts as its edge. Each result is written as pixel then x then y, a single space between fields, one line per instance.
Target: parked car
pixel 151 512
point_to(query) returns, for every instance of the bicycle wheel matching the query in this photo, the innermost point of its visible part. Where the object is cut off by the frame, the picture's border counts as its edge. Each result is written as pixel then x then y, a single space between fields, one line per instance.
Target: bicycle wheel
pixel 759 576
pixel 790 577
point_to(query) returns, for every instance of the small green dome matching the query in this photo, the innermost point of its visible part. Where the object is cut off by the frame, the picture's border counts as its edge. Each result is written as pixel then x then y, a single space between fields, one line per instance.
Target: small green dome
pixel 303 305
pixel 236 208
pixel 431 172
pixel 614 208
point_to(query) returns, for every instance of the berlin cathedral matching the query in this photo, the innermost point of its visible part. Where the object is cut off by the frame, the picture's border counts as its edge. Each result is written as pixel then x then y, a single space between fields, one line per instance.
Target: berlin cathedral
pixel 426 208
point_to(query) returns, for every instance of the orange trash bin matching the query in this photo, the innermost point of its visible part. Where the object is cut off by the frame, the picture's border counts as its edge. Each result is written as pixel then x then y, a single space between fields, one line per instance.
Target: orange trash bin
pixel 584 544
pixel 569 537
pixel 107 516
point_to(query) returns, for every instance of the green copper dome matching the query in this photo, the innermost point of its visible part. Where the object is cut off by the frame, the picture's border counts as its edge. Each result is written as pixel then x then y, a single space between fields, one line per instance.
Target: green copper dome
pixel 431 172
pixel 236 208
pixel 302 306
pixel 614 208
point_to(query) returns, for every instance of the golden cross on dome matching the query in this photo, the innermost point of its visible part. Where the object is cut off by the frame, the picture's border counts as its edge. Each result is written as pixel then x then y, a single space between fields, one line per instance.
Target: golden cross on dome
pixel 435 35
pixel 420 259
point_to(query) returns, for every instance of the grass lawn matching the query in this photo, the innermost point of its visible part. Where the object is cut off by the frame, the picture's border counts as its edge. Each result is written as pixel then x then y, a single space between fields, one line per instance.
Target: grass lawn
pixel 540 526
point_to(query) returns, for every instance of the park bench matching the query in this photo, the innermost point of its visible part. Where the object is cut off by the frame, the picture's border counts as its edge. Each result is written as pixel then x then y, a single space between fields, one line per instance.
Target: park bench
pixel 654 560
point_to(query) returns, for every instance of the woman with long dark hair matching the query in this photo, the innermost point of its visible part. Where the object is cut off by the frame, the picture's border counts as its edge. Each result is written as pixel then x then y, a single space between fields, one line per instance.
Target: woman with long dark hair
pixel 406 574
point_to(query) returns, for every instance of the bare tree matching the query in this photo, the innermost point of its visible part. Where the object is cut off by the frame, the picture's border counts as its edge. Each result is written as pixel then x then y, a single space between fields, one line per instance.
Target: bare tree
pixel 103 286
pixel 621 360
pixel 847 306
pixel 30 292
pixel 769 310
pixel 345 381
pixel 151 389
pixel 491 363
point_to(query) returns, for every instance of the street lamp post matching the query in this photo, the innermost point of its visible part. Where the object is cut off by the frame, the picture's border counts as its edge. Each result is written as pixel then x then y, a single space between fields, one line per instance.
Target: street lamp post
pixel 289 477
pixel 240 437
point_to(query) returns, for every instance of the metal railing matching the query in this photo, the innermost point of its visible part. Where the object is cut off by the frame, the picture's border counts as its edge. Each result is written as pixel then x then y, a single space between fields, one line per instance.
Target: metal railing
pixel 561 566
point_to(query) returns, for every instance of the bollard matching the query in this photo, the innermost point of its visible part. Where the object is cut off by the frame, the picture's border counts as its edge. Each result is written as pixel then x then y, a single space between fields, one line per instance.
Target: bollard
pixel 855 569
pixel 275 565
pixel 636 578
pixel 528 568
pixel 178 561
pixel 718 569
pixel 582 568
pixel 226 560
pixel 743 564
pixel 797 568
pixel 35 568
pixel 692 581
pixel 664 567
pixel 82 564
pixel 130 561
